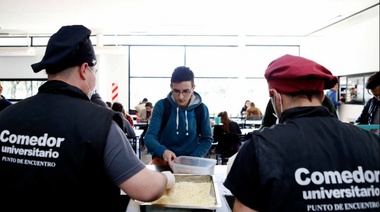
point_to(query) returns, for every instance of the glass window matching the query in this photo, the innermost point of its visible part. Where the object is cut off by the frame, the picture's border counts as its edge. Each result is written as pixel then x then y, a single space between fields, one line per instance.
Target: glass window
pixel 16 90
pixel 219 94
pixel 225 76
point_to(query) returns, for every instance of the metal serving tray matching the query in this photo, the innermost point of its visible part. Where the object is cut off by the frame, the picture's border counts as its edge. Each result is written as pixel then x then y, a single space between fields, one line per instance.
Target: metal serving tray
pixel 191 178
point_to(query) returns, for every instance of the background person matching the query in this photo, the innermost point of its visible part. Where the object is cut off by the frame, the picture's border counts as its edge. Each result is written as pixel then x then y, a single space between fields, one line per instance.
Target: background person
pixel 3 101
pixel 97 99
pixel 371 112
pixel 270 117
pixel 146 113
pixel 277 168
pixel 127 127
pixel 73 156
pixel 253 113
pixel 182 134
pixel 139 107
pixel 245 107
pixel 332 94
pixel 228 126
pixel 109 104
pixel 227 132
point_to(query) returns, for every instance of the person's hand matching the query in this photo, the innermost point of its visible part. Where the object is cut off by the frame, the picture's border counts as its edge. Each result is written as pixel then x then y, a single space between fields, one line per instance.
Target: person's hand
pixel 169 156
pixel 170 182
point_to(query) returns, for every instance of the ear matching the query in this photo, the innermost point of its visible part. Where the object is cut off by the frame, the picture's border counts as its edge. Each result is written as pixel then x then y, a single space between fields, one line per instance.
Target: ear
pixel 276 96
pixel 83 70
pixel 273 92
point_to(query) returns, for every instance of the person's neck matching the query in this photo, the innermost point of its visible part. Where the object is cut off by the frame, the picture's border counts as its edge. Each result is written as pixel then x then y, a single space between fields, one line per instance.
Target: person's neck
pixel 304 102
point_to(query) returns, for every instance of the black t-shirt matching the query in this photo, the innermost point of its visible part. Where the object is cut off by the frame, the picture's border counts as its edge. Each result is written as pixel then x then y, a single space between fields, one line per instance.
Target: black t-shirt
pixel 309 161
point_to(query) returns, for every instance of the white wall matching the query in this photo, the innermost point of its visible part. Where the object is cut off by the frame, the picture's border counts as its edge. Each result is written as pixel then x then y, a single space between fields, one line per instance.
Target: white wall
pixel 113 68
pixel 349 51
pixel 19 67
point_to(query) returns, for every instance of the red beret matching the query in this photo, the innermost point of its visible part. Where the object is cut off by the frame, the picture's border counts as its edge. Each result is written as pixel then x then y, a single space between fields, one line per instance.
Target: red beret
pixel 290 74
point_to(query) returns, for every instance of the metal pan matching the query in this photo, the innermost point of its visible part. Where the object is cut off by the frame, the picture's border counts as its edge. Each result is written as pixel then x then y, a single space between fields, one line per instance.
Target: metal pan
pixel 192 178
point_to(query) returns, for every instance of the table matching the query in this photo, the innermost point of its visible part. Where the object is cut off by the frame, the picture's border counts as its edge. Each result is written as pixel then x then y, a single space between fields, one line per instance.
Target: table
pixel 246 131
pixel 243 123
pixel 140 125
pixel 220 173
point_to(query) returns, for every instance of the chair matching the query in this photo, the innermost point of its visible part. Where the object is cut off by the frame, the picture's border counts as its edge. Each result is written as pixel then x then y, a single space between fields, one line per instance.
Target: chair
pixel 228 145
pixel 135 144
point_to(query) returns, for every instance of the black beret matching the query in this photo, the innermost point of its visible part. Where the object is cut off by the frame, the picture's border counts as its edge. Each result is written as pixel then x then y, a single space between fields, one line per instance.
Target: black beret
pixel 70 46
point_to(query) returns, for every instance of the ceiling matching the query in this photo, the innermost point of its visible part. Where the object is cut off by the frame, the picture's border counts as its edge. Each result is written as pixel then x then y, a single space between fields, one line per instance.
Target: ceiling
pixel 185 17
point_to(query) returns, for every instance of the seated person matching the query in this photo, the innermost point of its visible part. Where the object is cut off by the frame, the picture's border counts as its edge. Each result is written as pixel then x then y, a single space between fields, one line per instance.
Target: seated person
pixel 127 127
pixel 228 126
pixel 146 112
pixel 145 115
pixel 253 113
pixel 245 107
pixel 228 131
pixel 140 106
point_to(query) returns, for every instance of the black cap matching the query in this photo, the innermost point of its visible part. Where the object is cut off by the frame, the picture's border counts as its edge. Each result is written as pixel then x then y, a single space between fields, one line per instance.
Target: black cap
pixel 70 46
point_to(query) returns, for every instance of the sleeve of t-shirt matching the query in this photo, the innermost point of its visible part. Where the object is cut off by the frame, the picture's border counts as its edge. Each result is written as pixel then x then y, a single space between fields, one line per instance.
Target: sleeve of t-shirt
pixel 243 178
pixel 120 160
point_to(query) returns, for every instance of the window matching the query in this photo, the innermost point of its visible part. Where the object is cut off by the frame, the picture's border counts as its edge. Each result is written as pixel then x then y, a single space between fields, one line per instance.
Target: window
pixel 16 90
pixel 225 76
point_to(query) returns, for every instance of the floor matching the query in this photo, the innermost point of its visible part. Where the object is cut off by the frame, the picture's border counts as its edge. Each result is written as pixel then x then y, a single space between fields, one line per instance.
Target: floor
pixel 145 156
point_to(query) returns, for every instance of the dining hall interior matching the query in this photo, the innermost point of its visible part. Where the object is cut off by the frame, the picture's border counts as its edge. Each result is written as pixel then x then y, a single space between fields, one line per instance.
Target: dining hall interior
pixel 228 45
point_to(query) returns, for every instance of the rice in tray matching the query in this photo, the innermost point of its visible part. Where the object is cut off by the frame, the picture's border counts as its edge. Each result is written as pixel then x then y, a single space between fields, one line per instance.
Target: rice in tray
pixel 190 194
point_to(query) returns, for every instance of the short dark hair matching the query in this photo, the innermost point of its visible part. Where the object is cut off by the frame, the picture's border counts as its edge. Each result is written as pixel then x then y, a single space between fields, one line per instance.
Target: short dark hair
pixel 181 74
pixel 373 81
pixel 117 106
pixel 149 104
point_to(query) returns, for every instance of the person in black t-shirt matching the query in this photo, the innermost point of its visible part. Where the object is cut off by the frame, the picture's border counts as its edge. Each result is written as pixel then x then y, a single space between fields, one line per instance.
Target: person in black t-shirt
pixel 310 159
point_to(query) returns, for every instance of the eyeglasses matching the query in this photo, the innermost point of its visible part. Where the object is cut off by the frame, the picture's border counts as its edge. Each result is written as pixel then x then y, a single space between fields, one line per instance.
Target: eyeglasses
pixel 184 92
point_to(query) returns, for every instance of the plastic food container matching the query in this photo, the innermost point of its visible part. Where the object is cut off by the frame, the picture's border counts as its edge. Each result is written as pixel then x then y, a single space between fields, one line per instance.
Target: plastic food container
pixel 194 165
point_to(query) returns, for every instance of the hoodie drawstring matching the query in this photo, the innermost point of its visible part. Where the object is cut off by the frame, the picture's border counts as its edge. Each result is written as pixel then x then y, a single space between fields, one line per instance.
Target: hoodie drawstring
pixel 186 121
pixel 177 120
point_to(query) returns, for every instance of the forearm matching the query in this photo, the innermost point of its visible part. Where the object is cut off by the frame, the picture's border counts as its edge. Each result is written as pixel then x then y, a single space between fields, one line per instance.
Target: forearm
pixel 203 147
pixel 146 185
